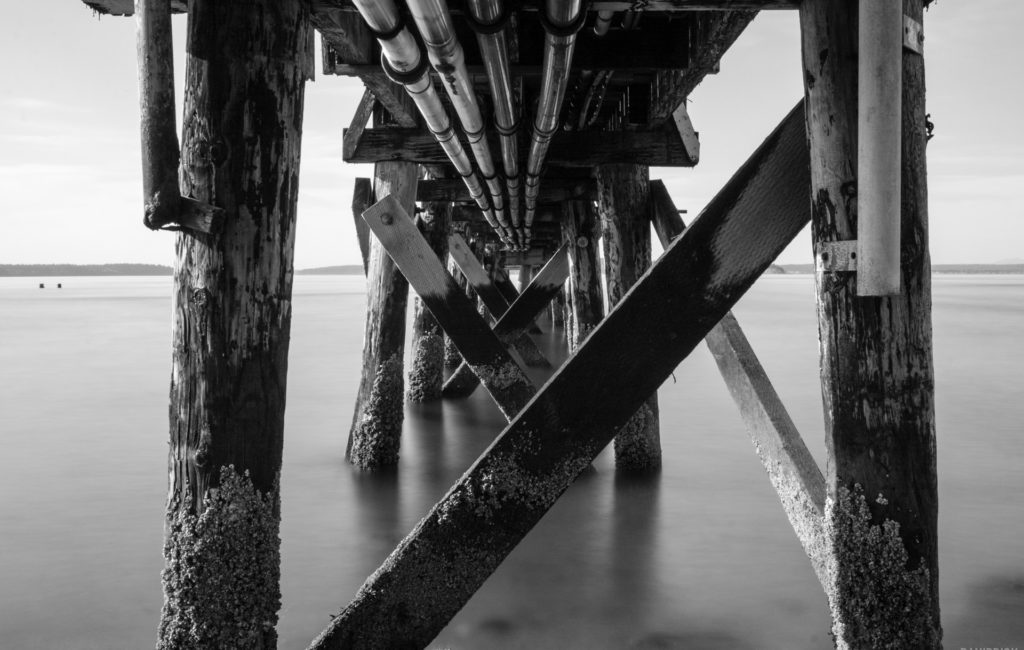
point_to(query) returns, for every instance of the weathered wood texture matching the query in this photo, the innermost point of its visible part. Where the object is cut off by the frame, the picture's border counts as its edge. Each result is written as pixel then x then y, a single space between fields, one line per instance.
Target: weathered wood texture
pixel 362 198
pixel 517 320
pixel 483 282
pixel 426 371
pixel 876 361
pixel 464 538
pixel 231 322
pixel 163 204
pixel 345 7
pixel 711 36
pixel 376 430
pixel 791 469
pixel 582 231
pixel 358 124
pixel 452 358
pixel 480 348
pixel 624 210
pixel 659 147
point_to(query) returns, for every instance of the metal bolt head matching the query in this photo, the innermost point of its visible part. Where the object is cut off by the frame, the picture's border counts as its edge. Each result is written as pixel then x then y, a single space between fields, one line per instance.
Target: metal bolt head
pixel 582 242
pixel 387 219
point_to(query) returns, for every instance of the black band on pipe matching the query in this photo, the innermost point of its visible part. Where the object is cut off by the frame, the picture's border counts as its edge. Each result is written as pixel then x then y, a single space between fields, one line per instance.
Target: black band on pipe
pixel 563 30
pixel 489 28
pixel 512 130
pixel 391 33
pixel 403 78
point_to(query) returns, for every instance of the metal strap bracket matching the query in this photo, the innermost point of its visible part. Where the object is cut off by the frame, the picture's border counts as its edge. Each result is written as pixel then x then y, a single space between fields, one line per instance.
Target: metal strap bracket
pixel 836 257
pixel 913 35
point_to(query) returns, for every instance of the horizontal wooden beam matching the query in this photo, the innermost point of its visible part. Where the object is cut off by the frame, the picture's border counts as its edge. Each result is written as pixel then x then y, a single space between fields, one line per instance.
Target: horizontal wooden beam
pixel 451 552
pixel 792 470
pixel 660 147
pixel 503 378
pixel 126 7
pixel 552 190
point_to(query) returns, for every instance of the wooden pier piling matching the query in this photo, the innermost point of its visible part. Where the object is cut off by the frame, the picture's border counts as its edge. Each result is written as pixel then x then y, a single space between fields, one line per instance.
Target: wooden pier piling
pixel 376 430
pixel 231 323
pixel 581 232
pixel 876 360
pixel 426 371
pixel 625 213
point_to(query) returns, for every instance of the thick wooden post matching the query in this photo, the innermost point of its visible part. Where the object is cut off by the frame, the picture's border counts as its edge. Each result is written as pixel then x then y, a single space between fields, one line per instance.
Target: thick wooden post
pixel 525 277
pixel 362 198
pixel 876 360
pixel 231 322
pixel 452 358
pixel 377 421
pixel 581 230
pixel 426 374
pixel 624 209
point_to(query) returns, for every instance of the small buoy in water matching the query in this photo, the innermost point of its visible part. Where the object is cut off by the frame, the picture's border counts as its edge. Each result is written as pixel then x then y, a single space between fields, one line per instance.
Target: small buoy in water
pixel 42 286
pixel 58 285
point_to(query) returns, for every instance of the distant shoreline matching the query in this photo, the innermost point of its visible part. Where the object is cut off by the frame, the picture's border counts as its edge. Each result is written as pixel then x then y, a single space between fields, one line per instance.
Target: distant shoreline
pixel 81 270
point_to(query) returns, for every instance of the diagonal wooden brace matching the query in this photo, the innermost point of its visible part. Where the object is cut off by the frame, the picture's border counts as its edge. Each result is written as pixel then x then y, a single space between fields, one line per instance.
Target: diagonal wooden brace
pixel 436 569
pixel 495 301
pixel 792 470
pixel 503 378
pixel 517 320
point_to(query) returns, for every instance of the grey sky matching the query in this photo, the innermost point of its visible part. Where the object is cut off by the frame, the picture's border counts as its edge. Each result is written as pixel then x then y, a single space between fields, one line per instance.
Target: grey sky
pixel 69 152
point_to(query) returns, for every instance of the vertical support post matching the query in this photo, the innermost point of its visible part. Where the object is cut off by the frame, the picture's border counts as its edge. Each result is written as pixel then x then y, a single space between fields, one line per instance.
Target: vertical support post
pixel 876 361
pixel 624 209
pixel 231 321
pixel 581 231
pixel 525 277
pixel 376 430
pixel 452 357
pixel 879 83
pixel 362 198
pixel 160 153
pixel 426 375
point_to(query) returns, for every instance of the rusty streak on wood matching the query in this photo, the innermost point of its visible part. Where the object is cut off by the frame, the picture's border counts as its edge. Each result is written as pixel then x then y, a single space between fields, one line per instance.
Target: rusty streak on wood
pixel 362 198
pixel 518 319
pixel 661 147
pixel 479 346
pixel 792 470
pixel 462 540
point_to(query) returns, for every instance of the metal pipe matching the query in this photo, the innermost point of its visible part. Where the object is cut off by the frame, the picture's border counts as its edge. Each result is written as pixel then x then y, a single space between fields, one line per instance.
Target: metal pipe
pixel 487 19
pixel 404 62
pixel 879 141
pixel 561 19
pixel 603 22
pixel 445 53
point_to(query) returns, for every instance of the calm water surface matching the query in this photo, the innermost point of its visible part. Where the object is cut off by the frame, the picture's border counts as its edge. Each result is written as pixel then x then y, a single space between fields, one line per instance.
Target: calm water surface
pixel 699 557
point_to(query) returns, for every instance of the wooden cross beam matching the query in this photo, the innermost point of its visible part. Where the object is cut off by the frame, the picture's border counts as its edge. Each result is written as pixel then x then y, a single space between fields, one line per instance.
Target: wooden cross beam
pixel 791 469
pixel 517 320
pixel 436 569
pixel 503 378
pixel 496 303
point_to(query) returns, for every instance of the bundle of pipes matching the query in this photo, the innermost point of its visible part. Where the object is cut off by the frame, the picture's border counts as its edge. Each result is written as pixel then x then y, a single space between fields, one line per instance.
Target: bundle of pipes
pixel 561 19
pixel 402 60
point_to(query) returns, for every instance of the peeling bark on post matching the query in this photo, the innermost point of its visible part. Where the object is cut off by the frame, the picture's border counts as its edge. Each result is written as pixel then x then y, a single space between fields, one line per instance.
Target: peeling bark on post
pixel 624 209
pixel 876 361
pixel 427 372
pixel 581 231
pixel 377 421
pixel 231 323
